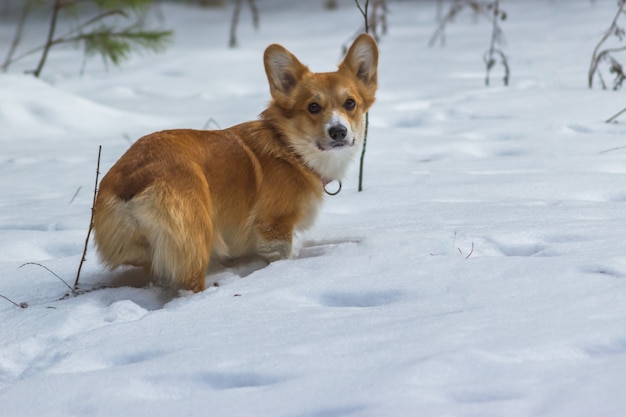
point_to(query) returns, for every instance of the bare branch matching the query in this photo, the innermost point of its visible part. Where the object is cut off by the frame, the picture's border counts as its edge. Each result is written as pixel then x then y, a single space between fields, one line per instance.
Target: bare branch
pixel 49 270
pixel 93 208
pixel 596 55
pixel 367 115
pixel 20 305
pixel 363 11
pixel 496 37
pixel 58 4
pixel 18 35
pixel 232 42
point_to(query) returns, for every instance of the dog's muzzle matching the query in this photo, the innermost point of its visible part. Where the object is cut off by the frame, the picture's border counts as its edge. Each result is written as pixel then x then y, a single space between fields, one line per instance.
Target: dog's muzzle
pixel 338 136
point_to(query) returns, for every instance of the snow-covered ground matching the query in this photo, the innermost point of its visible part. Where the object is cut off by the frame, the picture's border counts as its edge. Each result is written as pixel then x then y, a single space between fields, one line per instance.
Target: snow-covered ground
pixel 482 271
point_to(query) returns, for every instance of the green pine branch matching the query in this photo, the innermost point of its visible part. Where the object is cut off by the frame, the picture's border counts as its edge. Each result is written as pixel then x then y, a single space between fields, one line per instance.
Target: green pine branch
pixel 116 46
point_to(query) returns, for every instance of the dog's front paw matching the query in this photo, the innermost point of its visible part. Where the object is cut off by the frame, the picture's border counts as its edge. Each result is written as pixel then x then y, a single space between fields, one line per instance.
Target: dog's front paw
pixel 274 250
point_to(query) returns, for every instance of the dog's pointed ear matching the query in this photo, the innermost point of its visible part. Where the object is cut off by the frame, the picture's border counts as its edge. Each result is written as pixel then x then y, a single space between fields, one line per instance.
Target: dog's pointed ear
pixel 283 70
pixel 362 60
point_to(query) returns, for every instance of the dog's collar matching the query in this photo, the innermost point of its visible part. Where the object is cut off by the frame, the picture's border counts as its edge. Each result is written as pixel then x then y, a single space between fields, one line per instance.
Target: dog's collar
pixel 325 181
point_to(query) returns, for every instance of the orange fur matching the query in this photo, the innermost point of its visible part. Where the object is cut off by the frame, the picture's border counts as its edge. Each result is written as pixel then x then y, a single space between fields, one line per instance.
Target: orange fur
pixel 178 197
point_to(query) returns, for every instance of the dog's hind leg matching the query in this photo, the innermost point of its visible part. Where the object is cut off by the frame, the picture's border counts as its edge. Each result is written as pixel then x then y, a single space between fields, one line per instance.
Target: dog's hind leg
pixel 175 217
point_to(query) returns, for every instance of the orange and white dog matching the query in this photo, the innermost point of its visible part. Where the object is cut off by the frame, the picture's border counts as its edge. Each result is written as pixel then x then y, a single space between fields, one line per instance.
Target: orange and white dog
pixel 178 197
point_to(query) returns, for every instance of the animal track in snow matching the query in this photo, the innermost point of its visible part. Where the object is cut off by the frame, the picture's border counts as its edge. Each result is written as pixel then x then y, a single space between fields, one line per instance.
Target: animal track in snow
pixel 577 128
pixel 472 396
pixel 361 299
pixel 521 249
pixel 616 270
pixel 512 247
pixel 29 357
pixel 619 197
pixel 186 385
pixel 136 357
pixel 224 380
pixel 38 227
pixel 349 410
pixel 609 348
pixel 41 352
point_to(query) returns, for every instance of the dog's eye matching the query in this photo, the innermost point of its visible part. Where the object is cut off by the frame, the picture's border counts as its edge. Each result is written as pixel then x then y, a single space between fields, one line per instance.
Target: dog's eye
pixel 349 104
pixel 314 108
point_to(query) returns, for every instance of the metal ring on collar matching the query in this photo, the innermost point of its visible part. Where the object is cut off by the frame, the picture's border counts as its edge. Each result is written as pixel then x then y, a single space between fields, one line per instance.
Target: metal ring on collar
pixel 333 193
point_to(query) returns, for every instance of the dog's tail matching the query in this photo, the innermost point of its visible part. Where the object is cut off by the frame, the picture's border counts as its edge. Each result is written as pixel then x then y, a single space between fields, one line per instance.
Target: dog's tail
pixel 165 229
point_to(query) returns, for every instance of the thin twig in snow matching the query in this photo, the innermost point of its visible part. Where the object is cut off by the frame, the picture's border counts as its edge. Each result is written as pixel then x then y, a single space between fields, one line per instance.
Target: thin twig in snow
pixel 598 56
pixel 471 251
pixel 75 195
pixel 617 148
pixel 49 270
pixel 95 194
pixel 363 11
pixel 20 305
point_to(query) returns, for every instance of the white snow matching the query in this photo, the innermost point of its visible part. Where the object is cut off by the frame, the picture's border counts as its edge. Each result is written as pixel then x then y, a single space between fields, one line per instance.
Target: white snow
pixel 482 271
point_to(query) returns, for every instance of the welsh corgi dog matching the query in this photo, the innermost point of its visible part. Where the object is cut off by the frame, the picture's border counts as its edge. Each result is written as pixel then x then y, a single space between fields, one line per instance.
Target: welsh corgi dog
pixel 178 198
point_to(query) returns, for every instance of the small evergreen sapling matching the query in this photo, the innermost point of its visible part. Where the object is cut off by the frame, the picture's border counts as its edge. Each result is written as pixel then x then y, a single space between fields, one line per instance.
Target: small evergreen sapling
pixel 99 34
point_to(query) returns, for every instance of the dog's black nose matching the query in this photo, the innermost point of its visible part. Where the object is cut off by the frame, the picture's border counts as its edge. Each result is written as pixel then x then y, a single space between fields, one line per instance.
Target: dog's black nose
pixel 337 132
